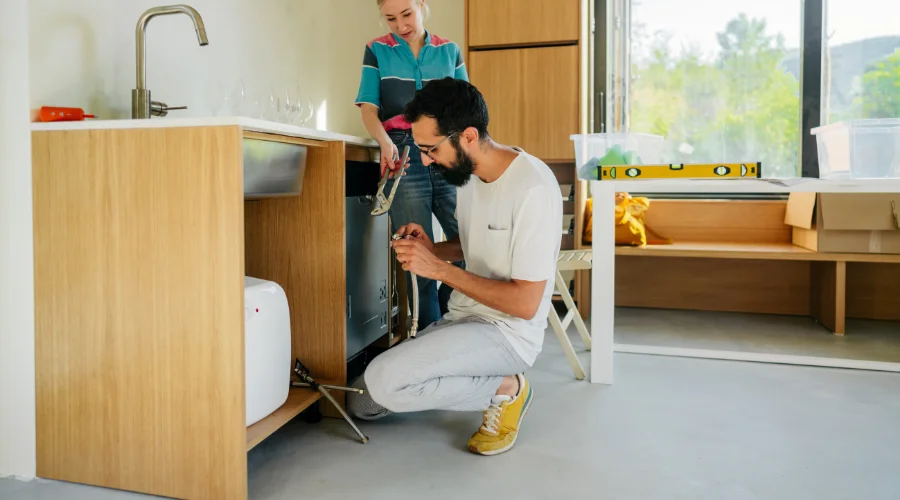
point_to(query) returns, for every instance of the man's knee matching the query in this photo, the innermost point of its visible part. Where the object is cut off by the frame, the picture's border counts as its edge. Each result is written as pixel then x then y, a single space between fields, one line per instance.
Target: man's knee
pixel 385 379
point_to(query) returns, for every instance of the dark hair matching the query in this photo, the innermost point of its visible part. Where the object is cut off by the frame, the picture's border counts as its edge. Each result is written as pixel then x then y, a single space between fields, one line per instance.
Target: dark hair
pixel 455 104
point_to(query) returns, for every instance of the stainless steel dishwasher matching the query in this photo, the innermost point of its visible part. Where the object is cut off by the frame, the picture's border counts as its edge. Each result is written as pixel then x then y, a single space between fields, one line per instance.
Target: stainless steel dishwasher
pixel 369 314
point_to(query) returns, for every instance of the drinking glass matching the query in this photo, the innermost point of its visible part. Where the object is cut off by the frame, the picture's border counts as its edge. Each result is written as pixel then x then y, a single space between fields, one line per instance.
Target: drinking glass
pixel 304 108
pixel 239 99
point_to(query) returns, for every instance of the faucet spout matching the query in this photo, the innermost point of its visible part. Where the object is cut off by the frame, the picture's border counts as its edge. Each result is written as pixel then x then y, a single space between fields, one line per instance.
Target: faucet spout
pixel 141 104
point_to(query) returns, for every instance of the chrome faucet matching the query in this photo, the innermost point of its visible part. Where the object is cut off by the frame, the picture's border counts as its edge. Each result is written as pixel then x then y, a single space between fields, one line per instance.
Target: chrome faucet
pixel 141 105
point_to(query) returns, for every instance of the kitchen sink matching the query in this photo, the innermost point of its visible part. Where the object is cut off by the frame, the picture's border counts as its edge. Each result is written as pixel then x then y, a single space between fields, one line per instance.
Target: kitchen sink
pixel 273 169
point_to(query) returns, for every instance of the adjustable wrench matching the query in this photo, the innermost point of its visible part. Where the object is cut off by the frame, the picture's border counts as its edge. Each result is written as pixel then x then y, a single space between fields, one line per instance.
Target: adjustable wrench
pixel 382 203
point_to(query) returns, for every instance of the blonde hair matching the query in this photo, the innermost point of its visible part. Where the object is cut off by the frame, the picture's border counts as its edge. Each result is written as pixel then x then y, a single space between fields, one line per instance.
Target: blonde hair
pixel 426 9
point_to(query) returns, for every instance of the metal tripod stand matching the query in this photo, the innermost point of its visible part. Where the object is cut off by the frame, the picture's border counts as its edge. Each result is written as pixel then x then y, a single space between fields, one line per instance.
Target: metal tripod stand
pixel 306 380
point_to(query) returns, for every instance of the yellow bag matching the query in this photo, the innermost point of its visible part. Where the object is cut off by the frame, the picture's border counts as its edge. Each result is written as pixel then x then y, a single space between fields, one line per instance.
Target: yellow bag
pixel 630 227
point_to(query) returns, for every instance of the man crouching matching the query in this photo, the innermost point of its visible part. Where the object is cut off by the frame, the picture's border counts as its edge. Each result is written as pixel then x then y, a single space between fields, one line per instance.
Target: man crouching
pixel 509 210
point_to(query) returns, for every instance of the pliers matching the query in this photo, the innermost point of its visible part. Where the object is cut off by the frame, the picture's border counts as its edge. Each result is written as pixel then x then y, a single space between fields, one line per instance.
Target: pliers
pixel 382 203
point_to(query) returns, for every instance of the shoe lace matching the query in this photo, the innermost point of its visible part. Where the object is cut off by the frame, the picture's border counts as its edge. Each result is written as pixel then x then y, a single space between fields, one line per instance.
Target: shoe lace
pixel 491 422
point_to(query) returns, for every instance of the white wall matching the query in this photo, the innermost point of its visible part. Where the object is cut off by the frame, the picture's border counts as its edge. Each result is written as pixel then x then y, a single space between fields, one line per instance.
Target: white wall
pixel 347 30
pixel 83 55
pixel 17 426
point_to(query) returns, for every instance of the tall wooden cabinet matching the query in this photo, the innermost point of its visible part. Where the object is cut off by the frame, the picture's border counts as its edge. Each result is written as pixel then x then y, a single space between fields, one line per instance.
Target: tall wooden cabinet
pixel 530 60
pixel 497 23
pixel 532 96
pixel 527 58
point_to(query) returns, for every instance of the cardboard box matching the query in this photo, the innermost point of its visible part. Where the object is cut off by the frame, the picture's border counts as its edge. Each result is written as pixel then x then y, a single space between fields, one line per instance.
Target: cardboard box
pixel 845 222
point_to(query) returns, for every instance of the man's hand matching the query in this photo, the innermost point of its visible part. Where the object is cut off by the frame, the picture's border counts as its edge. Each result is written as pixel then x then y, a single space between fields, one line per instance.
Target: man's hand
pixel 415 232
pixel 415 255
pixel 449 251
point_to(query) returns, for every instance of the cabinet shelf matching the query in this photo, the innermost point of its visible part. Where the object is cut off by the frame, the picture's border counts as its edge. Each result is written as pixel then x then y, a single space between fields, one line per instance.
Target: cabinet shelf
pixel 299 399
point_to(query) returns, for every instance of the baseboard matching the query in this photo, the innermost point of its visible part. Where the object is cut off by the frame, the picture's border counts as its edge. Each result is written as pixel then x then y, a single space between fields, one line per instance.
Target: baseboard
pixel 786 359
pixel 16 477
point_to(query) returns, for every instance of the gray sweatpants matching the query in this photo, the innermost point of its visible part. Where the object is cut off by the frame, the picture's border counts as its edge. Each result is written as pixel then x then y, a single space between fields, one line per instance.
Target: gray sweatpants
pixel 448 366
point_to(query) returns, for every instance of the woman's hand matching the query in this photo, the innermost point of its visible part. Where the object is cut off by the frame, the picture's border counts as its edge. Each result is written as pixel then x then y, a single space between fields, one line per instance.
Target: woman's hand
pixel 390 157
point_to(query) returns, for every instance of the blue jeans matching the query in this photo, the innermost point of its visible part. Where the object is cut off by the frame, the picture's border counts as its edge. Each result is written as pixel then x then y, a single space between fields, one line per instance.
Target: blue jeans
pixel 421 193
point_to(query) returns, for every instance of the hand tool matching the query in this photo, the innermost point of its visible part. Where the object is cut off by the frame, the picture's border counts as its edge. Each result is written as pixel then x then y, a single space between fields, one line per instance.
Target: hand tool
pixel 382 203
pixel 306 380
pixel 681 171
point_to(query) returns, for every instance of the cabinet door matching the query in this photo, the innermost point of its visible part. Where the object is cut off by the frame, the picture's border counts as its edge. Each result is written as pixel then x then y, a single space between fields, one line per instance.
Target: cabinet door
pixel 522 22
pixel 532 97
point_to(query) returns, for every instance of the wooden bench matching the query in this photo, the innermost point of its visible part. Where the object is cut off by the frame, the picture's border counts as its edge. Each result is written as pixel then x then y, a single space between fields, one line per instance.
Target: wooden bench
pixel 737 256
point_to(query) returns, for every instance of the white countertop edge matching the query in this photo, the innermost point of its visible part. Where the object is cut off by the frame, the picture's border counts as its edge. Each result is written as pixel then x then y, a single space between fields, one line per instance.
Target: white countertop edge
pixel 250 124
pixel 738 186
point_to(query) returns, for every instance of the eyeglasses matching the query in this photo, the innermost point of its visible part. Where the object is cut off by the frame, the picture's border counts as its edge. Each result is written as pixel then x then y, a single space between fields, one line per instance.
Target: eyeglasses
pixel 427 152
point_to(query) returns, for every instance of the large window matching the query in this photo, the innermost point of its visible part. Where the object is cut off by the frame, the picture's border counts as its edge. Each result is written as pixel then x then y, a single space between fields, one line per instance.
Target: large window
pixel 726 81
pixel 861 68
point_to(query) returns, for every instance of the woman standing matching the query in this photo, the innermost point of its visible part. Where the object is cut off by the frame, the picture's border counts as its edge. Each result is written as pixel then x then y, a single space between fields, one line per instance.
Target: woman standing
pixel 395 66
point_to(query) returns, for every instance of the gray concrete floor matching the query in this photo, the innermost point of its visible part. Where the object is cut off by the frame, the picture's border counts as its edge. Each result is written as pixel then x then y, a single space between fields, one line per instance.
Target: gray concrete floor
pixel 668 428
pixel 758 333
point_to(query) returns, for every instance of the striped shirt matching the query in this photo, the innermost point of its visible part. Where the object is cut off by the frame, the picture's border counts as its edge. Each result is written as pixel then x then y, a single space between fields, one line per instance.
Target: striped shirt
pixel 391 75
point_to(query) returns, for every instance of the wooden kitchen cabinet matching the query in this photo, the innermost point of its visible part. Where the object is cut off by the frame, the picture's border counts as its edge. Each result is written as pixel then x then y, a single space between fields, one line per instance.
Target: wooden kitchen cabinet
pixel 144 231
pixel 532 96
pixel 493 23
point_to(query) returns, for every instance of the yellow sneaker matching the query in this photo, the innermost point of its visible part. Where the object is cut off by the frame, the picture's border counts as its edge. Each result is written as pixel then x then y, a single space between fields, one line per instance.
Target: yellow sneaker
pixel 502 419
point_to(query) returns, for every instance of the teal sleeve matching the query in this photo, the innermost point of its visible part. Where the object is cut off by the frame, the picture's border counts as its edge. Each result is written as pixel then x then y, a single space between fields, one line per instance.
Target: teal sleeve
pixel 370 80
pixel 460 73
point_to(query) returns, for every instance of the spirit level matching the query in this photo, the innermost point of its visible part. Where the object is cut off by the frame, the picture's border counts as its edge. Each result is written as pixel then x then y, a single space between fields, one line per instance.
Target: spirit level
pixel 680 171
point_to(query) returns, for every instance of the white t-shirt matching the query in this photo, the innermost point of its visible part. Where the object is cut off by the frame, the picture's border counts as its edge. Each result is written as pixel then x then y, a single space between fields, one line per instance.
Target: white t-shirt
pixel 511 229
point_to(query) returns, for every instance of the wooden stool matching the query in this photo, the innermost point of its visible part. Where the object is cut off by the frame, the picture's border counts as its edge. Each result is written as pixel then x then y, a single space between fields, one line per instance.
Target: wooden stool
pixel 570 260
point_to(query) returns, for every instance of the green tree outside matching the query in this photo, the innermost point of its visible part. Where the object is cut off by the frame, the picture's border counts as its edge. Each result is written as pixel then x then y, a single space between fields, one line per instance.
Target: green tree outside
pixel 741 105
pixel 880 95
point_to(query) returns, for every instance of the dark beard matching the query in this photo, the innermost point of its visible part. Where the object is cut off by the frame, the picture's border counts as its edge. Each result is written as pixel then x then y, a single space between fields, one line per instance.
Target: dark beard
pixel 459 174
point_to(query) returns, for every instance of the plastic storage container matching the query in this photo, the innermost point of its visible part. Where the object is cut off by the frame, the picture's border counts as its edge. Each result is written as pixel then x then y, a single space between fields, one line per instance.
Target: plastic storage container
pixel 859 149
pixel 615 148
